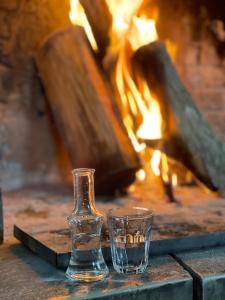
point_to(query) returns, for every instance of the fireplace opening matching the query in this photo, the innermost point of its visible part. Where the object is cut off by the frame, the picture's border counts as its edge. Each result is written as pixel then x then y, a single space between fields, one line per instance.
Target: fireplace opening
pixel 134 90
pixel 118 101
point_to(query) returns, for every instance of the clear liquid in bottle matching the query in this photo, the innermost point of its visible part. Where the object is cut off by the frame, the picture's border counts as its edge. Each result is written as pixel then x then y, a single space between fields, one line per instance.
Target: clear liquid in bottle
pixel 86 262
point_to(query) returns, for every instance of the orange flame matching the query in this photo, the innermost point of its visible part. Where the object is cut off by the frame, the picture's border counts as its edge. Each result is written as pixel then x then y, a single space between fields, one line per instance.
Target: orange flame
pixel 155 162
pixel 123 12
pixel 152 120
pixel 141 175
pixel 78 17
pixel 142 32
pixel 130 30
pixel 174 180
pixel 137 31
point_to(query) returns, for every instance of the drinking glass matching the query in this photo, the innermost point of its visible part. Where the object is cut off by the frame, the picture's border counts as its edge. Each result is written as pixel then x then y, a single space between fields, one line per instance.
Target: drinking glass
pixel 129 230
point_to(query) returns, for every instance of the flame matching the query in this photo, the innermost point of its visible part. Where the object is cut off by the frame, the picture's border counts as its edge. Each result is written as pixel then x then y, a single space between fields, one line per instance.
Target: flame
pixel 155 162
pixel 139 147
pixel 152 119
pixel 123 12
pixel 136 98
pixel 78 17
pixel 143 31
pixel 174 180
pixel 141 175
pixel 136 31
pixel 165 168
pixel 140 111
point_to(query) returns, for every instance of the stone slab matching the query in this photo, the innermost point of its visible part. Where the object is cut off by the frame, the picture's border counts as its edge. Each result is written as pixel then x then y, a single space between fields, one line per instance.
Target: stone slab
pixel 40 215
pixel 207 268
pixel 1 220
pixel 25 276
pixel 53 245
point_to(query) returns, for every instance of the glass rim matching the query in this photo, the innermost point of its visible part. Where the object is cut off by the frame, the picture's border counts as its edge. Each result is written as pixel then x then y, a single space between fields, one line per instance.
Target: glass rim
pixel 82 171
pixel 121 213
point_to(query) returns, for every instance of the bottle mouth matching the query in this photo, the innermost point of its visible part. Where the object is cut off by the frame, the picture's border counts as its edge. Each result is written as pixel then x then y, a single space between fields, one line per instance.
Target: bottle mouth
pixel 83 171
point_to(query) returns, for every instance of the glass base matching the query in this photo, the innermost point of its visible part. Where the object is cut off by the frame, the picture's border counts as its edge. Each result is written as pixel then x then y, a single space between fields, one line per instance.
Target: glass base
pixel 86 277
pixel 130 269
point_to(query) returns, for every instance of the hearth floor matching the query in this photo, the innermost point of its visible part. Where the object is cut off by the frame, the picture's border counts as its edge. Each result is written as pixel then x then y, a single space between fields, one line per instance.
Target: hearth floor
pixel 198 211
pixel 40 215
pixel 24 275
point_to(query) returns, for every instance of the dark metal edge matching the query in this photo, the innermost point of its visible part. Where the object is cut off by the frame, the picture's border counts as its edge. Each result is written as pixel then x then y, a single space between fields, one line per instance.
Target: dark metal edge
pixel 195 242
pixel 35 246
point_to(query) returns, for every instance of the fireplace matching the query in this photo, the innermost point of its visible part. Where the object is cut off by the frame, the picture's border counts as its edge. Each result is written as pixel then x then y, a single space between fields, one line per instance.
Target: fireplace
pixel 105 85
pixel 134 131
pixel 133 89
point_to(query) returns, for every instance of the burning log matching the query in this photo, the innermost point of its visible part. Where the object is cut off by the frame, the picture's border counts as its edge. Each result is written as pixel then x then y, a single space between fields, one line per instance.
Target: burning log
pixel 100 20
pixel 82 104
pixel 189 137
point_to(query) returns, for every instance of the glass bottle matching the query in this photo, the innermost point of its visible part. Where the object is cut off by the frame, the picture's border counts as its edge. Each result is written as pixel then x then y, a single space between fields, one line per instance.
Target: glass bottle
pixel 86 262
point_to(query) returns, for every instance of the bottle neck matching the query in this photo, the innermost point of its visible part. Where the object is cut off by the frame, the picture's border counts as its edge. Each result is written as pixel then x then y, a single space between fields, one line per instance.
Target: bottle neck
pixel 84 192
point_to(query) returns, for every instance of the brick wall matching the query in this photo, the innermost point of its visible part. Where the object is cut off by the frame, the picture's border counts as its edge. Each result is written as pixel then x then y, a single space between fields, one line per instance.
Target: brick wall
pixel 29 148
pixel 204 74
pixel 198 37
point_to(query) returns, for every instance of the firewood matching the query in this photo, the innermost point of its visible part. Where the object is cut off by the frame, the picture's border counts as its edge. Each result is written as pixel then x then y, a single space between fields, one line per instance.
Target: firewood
pixel 188 135
pixel 100 20
pixel 81 102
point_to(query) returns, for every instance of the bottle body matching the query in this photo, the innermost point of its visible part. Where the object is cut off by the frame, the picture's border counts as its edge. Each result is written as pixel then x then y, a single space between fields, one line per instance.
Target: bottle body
pixel 86 262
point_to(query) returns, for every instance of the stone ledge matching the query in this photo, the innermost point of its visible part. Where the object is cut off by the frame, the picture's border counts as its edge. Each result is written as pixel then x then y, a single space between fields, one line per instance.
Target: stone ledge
pixel 25 276
pixel 207 268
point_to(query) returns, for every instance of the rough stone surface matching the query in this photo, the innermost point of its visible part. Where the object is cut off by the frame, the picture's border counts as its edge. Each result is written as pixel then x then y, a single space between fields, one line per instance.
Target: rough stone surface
pixel 25 276
pixel 208 270
pixel 43 212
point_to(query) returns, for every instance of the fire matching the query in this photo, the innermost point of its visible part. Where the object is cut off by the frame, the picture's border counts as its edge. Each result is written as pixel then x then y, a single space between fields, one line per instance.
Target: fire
pixel 136 31
pixel 143 31
pixel 155 162
pixel 136 99
pixel 78 17
pixel 141 175
pixel 141 114
pixel 158 158
pixel 123 12
pixel 152 121
pixel 174 180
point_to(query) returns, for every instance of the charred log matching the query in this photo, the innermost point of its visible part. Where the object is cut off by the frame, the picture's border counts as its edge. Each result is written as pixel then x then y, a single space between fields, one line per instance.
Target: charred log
pixel 189 137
